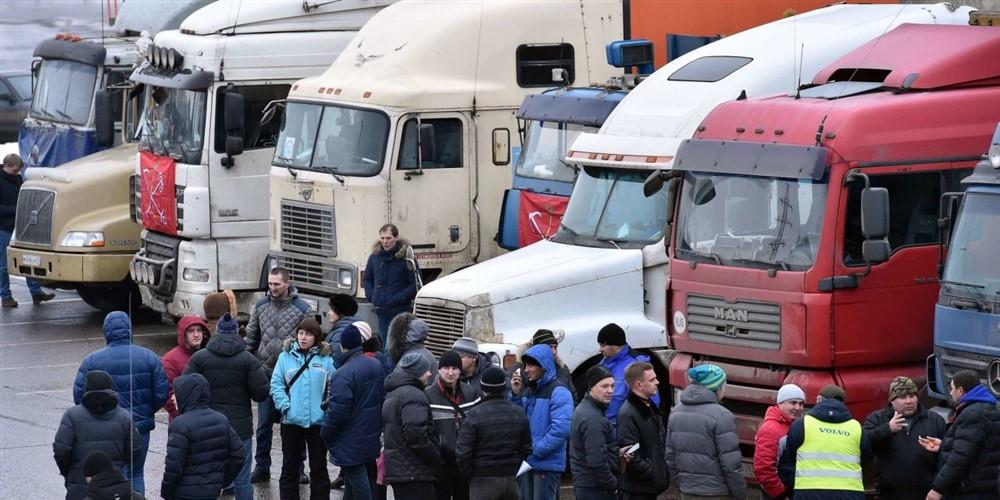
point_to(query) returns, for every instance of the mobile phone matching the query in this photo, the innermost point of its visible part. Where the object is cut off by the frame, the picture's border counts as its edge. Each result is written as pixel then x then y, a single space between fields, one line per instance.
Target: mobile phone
pixel 632 449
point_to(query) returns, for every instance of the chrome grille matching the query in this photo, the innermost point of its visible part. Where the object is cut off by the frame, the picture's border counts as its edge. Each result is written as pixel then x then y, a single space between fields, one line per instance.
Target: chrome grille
pixel 33 222
pixel 313 274
pixel 446 323
pixel 952 362
pixel 308 228
pixel 741 323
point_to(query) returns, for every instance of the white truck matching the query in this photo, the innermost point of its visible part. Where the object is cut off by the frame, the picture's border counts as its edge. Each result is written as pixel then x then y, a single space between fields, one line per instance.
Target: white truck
pixel 608 261
pixel 414 125
pixel 201 181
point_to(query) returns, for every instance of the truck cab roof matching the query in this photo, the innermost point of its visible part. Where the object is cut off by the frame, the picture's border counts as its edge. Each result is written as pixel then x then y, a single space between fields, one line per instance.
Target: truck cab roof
pixel 232 17
pixel 135 17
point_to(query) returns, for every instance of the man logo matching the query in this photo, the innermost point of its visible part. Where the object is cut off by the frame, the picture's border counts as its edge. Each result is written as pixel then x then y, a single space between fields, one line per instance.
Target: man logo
pixel 731 314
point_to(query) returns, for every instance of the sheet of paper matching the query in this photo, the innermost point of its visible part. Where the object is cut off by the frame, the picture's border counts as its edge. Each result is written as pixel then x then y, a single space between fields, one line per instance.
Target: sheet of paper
pixel 525 467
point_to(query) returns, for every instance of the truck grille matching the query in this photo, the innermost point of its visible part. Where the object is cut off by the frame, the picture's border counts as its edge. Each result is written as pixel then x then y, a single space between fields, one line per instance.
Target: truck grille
pixel 742 323
pixel 313 274
pixel 33 222
pixel 308 228
pixel 952 362
pixel 446 323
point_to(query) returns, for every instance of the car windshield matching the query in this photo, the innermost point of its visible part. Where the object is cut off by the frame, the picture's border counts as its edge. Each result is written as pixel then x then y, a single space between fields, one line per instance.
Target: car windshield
pixel 745 221
pixel 64 91
pixel 608 209
pixel 544 149
pixel 174 123
pixel 22 85
pixel 333 139
pixel 973 266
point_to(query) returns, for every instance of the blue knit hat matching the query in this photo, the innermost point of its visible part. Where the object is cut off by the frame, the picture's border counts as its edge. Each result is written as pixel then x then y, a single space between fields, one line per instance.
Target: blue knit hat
pixel 710 377
pixel 227 324
pixel 350 338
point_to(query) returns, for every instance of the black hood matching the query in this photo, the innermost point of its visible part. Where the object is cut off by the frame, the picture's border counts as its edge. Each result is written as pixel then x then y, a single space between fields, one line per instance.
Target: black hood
pixel 226 344
pixel 100 403
pixel 192 392
pixel 109 484
pixel 399 378
pixel 831 410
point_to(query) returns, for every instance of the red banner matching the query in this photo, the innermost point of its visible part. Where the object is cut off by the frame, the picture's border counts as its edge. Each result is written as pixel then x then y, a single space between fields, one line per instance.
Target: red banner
pixel 158 204
pixel 539 216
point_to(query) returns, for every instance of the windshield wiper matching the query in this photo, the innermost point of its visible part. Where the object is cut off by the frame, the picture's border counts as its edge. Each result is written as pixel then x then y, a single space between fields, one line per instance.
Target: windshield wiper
pixel 568 230
pixel 44 113
pixel 613 243
pixel 776 264
pixel 977 295
pixel 64 115
pixel 333 173
pixel 709 255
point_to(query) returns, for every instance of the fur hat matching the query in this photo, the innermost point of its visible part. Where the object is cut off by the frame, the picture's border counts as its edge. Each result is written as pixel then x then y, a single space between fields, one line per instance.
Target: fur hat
pixel 710 377
pixel 596 374
pixel 450 358
pixel 611 334
pixel 902 386
pixel 96 462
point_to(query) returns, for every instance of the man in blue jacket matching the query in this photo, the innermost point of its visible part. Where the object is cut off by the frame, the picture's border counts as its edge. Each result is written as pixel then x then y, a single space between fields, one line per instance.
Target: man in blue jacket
pixel 549 407
pixel 390 283
pixel 139 380
pixel 617 356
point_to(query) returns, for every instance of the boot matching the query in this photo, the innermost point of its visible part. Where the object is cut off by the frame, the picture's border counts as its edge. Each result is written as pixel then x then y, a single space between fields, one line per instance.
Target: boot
pixel 42 297
pixel 9 302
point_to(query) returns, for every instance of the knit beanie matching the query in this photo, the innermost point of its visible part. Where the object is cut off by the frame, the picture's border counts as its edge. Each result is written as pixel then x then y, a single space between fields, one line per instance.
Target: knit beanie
pixel 226 325
pixel 833 392
pixel 611 334
pixel 450 358
pixel 493 380
pixel 96 462
pixel 466 345
pixel 596 374
pixel 415 364
pixel 902 386
pixel 543 336
pixel 789 392
pixel 343 304
pixel 351 337
pixel 710 377
pixel 364 328
pixel 97 380
pixel 312 326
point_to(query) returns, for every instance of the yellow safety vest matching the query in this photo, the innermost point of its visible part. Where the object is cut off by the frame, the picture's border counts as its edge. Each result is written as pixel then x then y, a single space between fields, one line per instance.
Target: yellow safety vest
pixel 830 456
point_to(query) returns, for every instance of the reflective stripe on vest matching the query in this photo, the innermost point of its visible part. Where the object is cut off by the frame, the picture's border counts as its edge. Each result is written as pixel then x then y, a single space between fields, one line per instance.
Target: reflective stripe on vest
pixel 830 456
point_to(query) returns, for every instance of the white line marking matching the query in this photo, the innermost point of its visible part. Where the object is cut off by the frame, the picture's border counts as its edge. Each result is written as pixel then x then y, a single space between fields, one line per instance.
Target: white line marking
pixel 54 391
pixel 63 365
pixel 88 339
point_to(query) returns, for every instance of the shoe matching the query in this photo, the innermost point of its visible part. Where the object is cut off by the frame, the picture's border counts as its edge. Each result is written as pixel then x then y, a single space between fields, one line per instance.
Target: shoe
pixel 303 478
pixel 9 302
pixel 42 297
pixel 227 491
pixel 260 476
pixel 338 483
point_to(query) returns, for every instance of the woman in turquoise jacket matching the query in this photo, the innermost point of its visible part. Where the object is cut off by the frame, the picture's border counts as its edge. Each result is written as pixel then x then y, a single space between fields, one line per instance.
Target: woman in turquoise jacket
pixel 299 390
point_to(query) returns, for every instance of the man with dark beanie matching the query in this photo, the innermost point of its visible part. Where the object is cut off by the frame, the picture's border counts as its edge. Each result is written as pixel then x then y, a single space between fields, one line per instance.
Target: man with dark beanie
pixel 104 480
pixel 640 422
pixel 593 450
pixel 617 356
pixel 563 375
pixel 450 400
pixel 493 441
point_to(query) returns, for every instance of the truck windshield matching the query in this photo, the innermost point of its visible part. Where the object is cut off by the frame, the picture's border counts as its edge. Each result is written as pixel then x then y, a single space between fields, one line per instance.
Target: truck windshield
pixel 174 123
pixel 608 209
pixel 332 139
pixel 544 149
pixel 973 268
pixel 761 222
pixel 64 91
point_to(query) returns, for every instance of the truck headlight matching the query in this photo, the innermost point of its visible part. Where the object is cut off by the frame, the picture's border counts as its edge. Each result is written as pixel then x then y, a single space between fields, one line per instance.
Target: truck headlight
pixel 196 275
pixel 345 277
pixel 83 239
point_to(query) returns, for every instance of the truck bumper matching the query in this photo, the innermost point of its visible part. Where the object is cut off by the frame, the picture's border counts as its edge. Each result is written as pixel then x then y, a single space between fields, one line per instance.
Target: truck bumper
pixel 67 269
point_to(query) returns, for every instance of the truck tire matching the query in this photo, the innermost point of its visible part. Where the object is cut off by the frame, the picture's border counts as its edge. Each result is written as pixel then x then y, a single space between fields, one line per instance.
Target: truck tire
pixel 121 297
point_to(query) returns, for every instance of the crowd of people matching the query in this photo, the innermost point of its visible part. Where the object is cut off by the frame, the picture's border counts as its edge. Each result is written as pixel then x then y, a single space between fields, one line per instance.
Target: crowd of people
pixel 388 413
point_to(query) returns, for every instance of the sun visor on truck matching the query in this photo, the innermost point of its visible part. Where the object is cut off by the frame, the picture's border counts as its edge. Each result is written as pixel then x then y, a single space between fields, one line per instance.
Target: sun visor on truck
pixel 80 51
pixel 185 79
pixel 588 107
pixel 751 158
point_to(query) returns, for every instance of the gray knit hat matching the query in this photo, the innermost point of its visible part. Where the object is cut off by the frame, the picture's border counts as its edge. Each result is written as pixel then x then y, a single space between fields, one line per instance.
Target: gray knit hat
pixel 466 345
pixel 414 363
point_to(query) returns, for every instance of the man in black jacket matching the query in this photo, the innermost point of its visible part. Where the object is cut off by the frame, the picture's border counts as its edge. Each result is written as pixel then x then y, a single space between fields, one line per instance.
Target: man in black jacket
pixel 235 377
pixel 450 400
pixel 204 453
pixel 904 470
pixel 493 441
pixel 593 450
pixel 10 186
pixel 412 453
pixel 640 422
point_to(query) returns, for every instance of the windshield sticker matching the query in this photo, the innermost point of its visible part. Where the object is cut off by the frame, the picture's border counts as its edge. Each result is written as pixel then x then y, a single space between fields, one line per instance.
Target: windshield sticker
pixel 289 147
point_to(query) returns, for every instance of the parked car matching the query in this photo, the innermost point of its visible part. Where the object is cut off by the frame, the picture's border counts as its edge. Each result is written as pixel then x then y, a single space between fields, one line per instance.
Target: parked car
pixel 15 97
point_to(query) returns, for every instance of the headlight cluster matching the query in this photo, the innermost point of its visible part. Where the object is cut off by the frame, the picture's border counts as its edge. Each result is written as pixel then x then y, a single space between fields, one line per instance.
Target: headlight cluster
pixel 162 57
pixel 83 239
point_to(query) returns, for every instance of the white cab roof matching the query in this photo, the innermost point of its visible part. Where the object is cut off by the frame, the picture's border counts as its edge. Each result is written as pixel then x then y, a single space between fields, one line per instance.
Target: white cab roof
pixel 270 16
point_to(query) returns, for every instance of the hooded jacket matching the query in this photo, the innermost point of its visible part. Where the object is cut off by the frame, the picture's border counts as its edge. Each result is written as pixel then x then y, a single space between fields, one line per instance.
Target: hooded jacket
pixel 903 469
pixel 765 454
pixel 301 403
pixel 593 449
pixel 98 423
pixel 204 453
pixel 110 485
pixel 970 450
pixel 136 372
pixel 549 407
pixel 449 412
pixel 353 422
pixel 176 359
pixel 702 448
pixel 640 423
pixel 390 285
pixel 494 439
pixel 412 447
pixel 271 322
pixel 235 377
pixel 413 333
pixel 10 186
pixel 616 365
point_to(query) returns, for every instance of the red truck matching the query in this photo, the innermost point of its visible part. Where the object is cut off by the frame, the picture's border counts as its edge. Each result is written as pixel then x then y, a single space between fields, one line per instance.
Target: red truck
pixel 805 245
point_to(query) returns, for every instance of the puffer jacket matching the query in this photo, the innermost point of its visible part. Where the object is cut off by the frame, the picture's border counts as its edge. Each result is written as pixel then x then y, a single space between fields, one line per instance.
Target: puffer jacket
pixel 10 186
pixel 412 448
pixel 483 363
pixel 638 422
pixel 407 333
pixel 616 365
pixel 593 449
pixel 204 453
pixel 271 322
pixel 970 450
pixel 765 454
pixel 136 372
pixel 333 337
pixel 353 422
pixel 98 423
pixel 904 470
pixel 494 439
pixel 549 407
pixel 301 404
pixel 110 485
pixel 702 448
pixel 390 285
pixel 176 359
pixel 448 412
pixel 235 377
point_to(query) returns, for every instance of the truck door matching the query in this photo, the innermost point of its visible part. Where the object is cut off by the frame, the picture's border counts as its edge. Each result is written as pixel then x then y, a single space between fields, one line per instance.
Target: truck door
pixel 429 184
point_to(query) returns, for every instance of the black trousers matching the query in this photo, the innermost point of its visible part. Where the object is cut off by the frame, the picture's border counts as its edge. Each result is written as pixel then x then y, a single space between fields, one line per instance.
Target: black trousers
pixel 414 491
pixel 451 485
pixel 294 441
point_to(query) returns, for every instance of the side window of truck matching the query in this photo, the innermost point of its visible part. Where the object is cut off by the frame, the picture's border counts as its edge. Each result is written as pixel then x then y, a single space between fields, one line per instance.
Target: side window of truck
pixel 913 211
pixel 443 148
pixel 255 99
pixel 535 62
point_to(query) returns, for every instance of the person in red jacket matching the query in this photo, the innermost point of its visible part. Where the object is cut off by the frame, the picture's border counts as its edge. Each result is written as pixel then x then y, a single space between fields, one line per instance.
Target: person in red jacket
pixel 777 420
pixel 192 334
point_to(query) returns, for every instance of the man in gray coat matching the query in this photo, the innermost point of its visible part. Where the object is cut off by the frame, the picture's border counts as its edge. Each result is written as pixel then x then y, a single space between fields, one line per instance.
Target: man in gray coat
pixel 702 448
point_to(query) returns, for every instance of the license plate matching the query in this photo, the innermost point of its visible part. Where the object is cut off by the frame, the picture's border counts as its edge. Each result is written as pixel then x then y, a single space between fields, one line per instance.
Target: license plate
pixel 31 260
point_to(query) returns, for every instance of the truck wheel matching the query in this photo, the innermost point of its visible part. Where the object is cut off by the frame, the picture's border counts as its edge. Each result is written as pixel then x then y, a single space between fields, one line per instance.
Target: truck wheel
pixel 122 297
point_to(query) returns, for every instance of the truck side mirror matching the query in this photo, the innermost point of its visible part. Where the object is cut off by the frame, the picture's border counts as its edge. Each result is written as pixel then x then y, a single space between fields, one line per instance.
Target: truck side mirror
pixel 875 224
pixel 104 118
pixel 653 183
pixel 234 145
pixel 7 97
pixel 233 116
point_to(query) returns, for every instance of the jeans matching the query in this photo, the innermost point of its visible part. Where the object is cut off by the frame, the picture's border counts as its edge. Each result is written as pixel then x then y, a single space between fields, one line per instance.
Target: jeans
pixel 265 431
pixel 133 472
pixel 242 489
pixel 539 485
pixel 418 490
pixel 356 485
pixel 294 440
pixel 494 488
pixel 33 286
pixel 584 493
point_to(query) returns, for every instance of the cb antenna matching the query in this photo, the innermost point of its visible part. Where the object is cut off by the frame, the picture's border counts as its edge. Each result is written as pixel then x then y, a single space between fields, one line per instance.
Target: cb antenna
pixel 798 83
